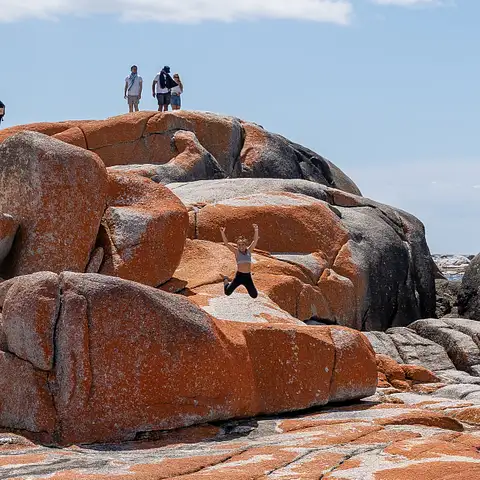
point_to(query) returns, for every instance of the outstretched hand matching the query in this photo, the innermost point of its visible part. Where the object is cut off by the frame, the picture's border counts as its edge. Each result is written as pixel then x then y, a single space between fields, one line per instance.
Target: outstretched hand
pixel 223 229
pixel 255 227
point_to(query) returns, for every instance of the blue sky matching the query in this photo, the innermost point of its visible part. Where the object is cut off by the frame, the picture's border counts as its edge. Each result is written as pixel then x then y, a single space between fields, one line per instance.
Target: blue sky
pixel 387 89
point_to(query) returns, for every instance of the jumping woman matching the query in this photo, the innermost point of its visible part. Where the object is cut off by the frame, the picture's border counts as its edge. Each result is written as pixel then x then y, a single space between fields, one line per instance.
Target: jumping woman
pixel 243 255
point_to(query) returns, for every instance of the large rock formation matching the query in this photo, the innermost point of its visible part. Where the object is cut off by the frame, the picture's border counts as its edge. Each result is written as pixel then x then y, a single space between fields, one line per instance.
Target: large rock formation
pixel 363 264
pixel 126 358
pixel 86 357
pixel 238 148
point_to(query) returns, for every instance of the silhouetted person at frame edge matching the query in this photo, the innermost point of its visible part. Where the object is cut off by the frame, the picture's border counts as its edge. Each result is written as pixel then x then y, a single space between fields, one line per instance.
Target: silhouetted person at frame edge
pixel 2 111
pixel 133 89
pixel 161 88
pixel 243 255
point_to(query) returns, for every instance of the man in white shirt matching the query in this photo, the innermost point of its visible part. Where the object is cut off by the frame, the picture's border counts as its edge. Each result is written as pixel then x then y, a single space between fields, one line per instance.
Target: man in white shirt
pixel 161 86
pixel 133 89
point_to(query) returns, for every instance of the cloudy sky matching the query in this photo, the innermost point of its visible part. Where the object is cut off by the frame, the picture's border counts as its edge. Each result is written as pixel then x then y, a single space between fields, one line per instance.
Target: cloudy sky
pixel 387 89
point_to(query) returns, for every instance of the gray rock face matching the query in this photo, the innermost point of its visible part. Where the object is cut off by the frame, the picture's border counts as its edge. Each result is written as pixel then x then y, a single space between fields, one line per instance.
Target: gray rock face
pixel 417 350
pixel 268 155
pixel 469 295
pixel 379 235
pixel 96 260
pixel 306 262
pixel 450 347
pixel 383 344
pixel 206 191
pixel 457 377
pixel 458 392
pixel 468 327
pixel 447 293
pixel 460 347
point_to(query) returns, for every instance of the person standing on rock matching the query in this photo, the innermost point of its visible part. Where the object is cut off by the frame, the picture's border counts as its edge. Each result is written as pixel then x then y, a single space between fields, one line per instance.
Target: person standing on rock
pixel 133 89
pixel 243 255
pixel 161 87
pixel 176 93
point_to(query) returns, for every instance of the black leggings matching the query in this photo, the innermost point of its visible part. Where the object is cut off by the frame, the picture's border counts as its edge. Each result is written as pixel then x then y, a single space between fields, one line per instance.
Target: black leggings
pixel 244 279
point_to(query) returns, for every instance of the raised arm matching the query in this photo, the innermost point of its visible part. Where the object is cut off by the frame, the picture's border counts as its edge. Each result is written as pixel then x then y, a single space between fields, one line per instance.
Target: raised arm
pixel 253 245
pixel 225 240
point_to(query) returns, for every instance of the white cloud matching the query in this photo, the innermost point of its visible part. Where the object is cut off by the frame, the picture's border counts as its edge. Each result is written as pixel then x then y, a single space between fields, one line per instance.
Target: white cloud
pixel 182 11
pixel 407 3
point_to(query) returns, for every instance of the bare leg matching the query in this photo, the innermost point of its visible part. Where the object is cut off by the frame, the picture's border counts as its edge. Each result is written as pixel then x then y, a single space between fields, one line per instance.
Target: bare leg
pixel 130 107
pixel 136 107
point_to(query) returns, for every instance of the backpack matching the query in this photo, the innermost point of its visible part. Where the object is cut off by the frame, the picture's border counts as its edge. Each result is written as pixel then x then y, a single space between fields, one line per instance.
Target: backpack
pixel 2 110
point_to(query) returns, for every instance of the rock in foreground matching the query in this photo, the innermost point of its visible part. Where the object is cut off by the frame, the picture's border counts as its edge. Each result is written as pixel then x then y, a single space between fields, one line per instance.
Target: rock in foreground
pixel 132 359
pixel 411 438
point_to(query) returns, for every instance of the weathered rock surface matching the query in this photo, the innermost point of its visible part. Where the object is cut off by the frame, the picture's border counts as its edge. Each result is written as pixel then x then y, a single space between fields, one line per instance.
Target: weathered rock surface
pixel 448 347
pixel 402 377
pixel 376 439
pixel 447 298
pixel 57 194
pixel 459 346
pixel 348 283
pixel 93 358
pixel 143 230
pixel 109 330
pixel 346 255
pixel 469 295
pixel 240 149
pixel 193 162
pixel 261 148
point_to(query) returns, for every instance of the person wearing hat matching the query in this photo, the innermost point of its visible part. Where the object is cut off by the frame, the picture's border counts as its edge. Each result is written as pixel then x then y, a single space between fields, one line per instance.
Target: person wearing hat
pixel 161 87
pixel 133 89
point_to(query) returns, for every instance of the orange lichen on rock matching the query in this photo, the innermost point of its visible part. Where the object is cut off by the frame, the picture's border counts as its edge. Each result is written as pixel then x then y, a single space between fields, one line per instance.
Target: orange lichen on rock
pixel 173 382
pixel 57 192
pixel 419 374
pixel 289 222
pixel 143 230
pixel 389 367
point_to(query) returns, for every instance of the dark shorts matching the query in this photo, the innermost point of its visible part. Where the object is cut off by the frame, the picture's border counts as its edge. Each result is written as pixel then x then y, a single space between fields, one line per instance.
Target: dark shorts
pixel 163 98
pixel 176 101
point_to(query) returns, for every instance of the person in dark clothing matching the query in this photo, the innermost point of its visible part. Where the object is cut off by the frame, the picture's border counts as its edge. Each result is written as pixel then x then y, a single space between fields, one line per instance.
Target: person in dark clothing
pixel 161 88
pixel 243 255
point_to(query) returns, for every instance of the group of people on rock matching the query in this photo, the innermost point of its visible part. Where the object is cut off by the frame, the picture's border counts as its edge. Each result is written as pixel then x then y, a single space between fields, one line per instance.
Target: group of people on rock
pixel 165 88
